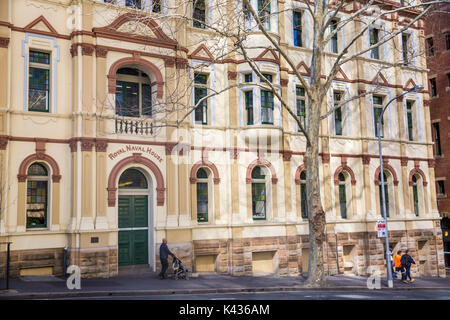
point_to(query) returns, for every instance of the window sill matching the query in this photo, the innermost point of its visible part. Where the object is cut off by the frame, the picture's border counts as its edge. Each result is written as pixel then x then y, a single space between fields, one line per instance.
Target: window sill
pixel 441 196
pixel 435 97
pixel 37 229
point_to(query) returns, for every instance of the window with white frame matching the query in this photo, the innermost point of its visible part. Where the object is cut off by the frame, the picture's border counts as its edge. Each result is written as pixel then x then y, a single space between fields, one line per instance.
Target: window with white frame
pixel 199 13
pixel 301 105
pixel 337 115
pixel 200 91
pixel 249 111
pixel 264 13
pixel 259 198
pixel 374 38
pixel 37 196
pixel 202 194
pixel 267 102
pixel 334 38
pixel 297 28
pixel 39 81
pixel 377 110
pixel 410 119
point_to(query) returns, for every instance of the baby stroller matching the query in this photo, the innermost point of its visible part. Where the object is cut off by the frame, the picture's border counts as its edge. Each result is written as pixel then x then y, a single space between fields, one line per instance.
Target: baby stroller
pixel 178 270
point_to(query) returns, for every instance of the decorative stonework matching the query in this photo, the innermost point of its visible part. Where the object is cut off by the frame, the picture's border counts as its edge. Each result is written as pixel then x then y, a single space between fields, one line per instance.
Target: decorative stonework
pixel 4 42
pixel 325 158
pixel 73 145
pixel 101 145
pixel 87 144
pixel 101 52
pixel 3 142
pixel 232 75
pixel 403 161
pixel 284 82
pixel 366 159
pixel 287 155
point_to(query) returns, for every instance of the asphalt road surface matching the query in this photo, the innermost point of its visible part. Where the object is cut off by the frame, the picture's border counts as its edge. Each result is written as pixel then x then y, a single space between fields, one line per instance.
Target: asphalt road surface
pixel 295 295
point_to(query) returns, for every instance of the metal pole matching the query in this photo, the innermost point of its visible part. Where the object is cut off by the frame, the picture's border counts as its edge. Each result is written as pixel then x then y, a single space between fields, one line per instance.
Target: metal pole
pixel 388 258
pixel 7 265
pixel 383 207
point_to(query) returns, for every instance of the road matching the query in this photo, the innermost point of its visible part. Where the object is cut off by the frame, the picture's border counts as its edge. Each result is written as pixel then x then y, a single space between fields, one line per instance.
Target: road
pixel 296 295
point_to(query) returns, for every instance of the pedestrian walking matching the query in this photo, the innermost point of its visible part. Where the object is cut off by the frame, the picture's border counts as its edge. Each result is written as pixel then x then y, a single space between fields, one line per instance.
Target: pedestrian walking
pixel 397 263
pixel 406 262
pixel 164 253
pixel 391 257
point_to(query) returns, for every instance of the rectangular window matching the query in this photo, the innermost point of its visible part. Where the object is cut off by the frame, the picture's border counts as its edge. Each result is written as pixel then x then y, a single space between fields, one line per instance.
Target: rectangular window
pixel 200 91
pixel 248 95
pixel 386 198
pixel 433 87
pixel 374 38
pixel 301 105
pixel 199 14
pixel 156 5
pixel 441 187
pixel 303 200
pixel 409 119
pixel 405 48
pixel 377 110
pixel 267 76
pixel 259 201
pixel 127 99
pixel 37 204
pixel 248 77
pixel 343 201
pixel 337 114
pixel 334 39
pixel 267 107
pixel 264 13
pixel 448 79
pixel 437 139
pixel 297 25
pixel 134 3
pixel 202 201
pixel 39 81
pixel 430 47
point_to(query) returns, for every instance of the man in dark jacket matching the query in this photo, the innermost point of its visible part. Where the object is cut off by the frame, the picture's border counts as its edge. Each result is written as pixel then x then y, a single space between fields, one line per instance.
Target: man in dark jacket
pixel 406 262
pixel 164 253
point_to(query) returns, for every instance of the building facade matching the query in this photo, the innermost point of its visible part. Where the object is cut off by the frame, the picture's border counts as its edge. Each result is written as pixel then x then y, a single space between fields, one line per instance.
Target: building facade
pixel 86 168
pixel 437 35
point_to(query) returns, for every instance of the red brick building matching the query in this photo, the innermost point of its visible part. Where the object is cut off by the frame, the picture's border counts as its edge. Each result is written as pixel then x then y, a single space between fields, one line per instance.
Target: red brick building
pixel 437 38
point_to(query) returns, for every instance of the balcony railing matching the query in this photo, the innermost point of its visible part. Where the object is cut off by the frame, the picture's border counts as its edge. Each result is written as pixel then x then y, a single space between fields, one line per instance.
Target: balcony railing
pixel 137 127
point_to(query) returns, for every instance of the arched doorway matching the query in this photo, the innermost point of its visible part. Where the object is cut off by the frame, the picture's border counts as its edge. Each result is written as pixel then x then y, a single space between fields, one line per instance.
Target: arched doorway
pixel 135 236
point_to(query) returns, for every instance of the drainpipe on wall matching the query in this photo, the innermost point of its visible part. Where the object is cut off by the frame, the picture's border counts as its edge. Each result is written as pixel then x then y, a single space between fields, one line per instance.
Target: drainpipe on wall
pixel 337 256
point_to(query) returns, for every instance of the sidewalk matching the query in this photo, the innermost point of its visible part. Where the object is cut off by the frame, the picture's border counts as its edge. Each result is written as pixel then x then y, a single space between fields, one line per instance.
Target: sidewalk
pixel 149 284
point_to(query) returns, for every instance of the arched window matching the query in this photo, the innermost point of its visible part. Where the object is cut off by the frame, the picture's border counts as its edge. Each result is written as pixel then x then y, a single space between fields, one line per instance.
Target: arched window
pixel 342 196
pixel 202 195
pixel 415 195
pixel 387 192
pixel 37 196
pixel 259 193
pixel 132 179
pixel 133 93
pixel 303 198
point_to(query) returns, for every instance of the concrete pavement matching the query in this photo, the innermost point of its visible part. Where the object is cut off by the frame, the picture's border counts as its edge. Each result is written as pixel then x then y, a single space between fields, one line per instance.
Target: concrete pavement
pixel 150 284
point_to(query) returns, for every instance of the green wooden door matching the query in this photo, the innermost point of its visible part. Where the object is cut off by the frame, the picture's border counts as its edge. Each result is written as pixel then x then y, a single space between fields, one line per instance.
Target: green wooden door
pixel 133 230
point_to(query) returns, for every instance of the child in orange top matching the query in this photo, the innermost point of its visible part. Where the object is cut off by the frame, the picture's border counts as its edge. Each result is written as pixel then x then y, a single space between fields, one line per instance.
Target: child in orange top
pixel 397 263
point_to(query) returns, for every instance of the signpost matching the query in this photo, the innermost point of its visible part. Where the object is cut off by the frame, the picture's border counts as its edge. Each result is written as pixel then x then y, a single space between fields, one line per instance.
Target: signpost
pixel 381 228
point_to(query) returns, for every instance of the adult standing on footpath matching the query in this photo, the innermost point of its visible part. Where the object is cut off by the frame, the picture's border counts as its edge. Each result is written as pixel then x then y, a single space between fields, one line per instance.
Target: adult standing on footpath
pixel 164 253
pixel 407 261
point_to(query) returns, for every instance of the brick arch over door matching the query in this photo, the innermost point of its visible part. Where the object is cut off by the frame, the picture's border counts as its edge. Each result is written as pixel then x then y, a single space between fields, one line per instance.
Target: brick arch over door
pixel 414 171
pixel 135 60
pixel 261 162
pixel 390 169
pixel 22 176
pixel 346 169
pixel 204 163
pixel 135 158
